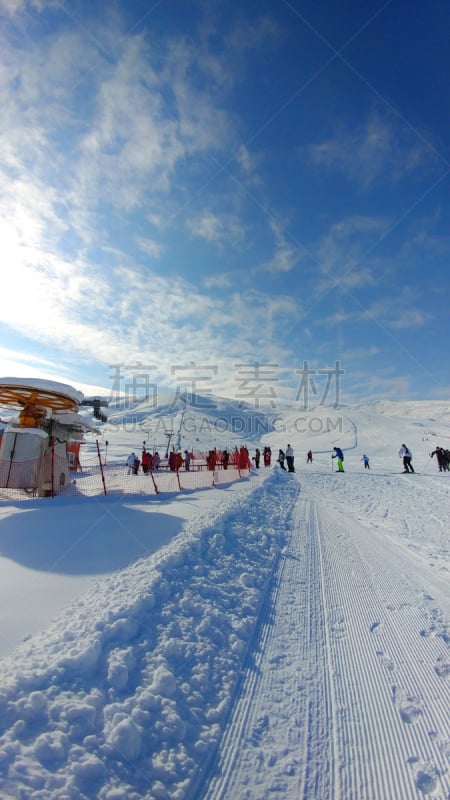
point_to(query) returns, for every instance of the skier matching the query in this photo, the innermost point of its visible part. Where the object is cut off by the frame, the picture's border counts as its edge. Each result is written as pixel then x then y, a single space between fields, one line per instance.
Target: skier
pixel 406 454
pixel 309 457
pixel 257 457
pixel 211 459
pixel 290 458
pixel 366 461
pixel 267 456
pixel 131 463
pixel 187 460
pixel 441 458
pixel 145 461
pixel 281 457
pixel 244 458
pixel 340 457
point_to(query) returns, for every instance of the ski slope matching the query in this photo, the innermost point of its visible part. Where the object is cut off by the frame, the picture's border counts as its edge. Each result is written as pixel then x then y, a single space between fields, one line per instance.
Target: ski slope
pixel 285 636
pixel 347 694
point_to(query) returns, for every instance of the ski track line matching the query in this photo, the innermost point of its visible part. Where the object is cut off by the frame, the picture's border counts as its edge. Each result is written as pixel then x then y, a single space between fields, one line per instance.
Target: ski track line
pixel 396 749
pixel 383 511
pixel 288 756
pixel 346 693
pixel 419 626
pixel 365 744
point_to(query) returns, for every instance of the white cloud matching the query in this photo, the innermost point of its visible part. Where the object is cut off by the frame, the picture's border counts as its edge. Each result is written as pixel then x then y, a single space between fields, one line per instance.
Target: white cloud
pixel 12 7
pixel 122 154
pixel 286 252
pixel 150 247
pixel 412 318
pixel 393 312
pixel 207 226
pixel 250 164
pixel 340 255
pixel 377 147
pixel 264 31
pixel 361 353
pixel 16 359
pixel 222 281
pixel 222 230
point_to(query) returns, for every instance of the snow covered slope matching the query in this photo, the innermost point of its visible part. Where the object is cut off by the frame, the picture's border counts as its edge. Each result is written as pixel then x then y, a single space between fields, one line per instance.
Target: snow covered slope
pixel 285 636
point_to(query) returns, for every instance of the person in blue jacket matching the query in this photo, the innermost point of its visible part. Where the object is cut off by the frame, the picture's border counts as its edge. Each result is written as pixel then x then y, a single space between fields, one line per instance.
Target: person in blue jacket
pixel 340 457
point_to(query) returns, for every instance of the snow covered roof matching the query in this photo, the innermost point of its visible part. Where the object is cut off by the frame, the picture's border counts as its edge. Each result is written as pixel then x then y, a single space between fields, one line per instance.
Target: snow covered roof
pixel 32 431
pixel 47 392
pixel 73 420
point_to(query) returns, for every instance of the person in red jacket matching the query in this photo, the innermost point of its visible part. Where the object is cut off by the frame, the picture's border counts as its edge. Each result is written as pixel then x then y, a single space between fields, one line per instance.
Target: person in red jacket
pixel 267 456
pixel 244 458
pixel 211 459
pixel 145 461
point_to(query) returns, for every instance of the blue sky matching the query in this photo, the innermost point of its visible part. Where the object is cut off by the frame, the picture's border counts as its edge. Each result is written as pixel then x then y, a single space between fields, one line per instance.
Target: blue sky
pixel 227 197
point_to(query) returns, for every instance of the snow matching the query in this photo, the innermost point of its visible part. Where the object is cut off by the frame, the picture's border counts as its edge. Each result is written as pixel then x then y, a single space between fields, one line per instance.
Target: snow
pixel 43 387
pixel 283 636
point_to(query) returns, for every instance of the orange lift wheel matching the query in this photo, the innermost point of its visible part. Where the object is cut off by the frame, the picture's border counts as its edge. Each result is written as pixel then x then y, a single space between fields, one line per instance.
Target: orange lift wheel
pixel 33 402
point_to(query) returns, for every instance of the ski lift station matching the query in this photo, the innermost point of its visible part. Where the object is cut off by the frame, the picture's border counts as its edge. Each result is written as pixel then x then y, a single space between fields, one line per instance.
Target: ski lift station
pixel 41 441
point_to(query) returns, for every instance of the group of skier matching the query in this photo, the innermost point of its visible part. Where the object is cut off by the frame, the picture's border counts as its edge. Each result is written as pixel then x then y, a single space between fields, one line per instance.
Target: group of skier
pixel 285 459
pixel 442 458
pixel 177 460
pixel 404 452
pixel 288 458
pixel 267 457
pixel 149 462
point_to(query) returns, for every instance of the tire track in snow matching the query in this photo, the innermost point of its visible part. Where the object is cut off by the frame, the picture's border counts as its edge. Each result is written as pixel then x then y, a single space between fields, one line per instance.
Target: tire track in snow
pixel 290 753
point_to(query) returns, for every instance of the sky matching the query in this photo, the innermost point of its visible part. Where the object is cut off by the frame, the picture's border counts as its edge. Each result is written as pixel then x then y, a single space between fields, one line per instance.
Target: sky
pixel 282 635
pixel 241 198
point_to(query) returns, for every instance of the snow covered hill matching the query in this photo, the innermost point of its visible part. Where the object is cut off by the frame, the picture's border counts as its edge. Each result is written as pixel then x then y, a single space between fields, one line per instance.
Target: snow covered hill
pixel 284 636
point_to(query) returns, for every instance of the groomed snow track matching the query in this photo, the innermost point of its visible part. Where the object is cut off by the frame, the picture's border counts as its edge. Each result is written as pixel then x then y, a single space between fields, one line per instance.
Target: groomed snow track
pixel 334 700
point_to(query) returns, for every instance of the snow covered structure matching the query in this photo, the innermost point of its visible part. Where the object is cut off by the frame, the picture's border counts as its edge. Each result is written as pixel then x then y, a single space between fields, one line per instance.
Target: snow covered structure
pixel 34 449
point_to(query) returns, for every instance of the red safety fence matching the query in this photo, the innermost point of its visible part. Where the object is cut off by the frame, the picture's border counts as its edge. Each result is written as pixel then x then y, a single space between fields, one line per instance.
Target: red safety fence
pixel 114 479
pixel 50 476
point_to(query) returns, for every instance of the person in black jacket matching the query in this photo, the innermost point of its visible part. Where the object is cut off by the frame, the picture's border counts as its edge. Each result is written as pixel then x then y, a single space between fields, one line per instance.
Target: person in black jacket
pixel 441 457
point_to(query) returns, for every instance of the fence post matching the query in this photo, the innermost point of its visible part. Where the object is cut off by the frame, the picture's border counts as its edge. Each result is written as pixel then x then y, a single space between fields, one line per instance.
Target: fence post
pixel 52 475
pixel 101 466
pixel 154 482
